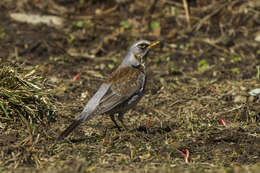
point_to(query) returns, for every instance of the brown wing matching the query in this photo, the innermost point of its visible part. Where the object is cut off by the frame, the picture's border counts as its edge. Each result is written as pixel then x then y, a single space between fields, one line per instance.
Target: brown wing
pixel 125 82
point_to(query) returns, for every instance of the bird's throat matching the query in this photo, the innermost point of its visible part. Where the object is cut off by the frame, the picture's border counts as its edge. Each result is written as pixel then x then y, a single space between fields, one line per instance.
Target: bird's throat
pixel 140 67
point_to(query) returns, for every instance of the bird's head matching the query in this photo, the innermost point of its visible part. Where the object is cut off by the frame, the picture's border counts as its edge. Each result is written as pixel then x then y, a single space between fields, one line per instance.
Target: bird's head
pixel 137 52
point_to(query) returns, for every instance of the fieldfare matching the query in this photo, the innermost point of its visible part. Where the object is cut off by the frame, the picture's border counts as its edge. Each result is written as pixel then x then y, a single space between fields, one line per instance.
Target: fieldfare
pixel 121 91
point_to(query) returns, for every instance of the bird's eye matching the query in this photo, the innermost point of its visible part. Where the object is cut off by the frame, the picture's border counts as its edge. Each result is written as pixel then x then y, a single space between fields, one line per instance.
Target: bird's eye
pixel 143 46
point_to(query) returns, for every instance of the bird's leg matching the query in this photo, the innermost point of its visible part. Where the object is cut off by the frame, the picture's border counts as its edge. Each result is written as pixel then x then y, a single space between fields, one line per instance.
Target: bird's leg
pixel 120 118
pixel 113 119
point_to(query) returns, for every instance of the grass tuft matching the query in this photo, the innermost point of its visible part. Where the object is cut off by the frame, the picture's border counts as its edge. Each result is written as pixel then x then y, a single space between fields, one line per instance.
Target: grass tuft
pixel 23 96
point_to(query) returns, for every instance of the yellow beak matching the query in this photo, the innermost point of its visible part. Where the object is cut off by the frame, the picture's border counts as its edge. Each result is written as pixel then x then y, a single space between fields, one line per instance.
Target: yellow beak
pixel 154 44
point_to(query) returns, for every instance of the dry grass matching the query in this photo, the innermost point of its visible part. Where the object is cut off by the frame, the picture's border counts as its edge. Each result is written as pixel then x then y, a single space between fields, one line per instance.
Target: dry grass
pixel 23 96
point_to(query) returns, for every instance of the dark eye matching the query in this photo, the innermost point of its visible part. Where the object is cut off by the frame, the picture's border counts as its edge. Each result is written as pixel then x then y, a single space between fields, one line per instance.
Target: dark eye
pixel 143 46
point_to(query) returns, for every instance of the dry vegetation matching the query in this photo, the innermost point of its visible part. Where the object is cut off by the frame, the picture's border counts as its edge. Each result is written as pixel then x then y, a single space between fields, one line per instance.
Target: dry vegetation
pixel 197 114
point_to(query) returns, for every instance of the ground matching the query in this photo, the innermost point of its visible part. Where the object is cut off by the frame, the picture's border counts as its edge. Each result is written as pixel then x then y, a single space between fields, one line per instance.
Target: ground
pixel 197 114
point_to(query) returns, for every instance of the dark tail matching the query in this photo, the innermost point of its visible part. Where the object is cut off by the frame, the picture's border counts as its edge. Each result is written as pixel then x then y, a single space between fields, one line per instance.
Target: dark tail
pixel 66 132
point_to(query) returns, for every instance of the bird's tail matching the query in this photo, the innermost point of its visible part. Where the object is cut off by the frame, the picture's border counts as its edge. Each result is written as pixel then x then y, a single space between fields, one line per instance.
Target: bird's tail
pixel 66 132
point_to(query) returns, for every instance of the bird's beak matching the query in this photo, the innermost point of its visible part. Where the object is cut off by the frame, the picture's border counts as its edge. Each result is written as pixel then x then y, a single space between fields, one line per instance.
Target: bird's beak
pixel 154 44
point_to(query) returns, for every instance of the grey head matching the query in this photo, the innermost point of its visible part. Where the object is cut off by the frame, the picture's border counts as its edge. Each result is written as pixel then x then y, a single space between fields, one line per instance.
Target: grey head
pixel 137 52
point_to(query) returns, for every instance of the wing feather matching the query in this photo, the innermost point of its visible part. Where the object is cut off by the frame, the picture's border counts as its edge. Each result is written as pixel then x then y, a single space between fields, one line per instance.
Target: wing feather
pixel 122 88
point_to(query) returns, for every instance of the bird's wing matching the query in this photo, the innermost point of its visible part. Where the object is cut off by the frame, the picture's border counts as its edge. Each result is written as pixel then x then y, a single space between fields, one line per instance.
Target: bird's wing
pixel 125 82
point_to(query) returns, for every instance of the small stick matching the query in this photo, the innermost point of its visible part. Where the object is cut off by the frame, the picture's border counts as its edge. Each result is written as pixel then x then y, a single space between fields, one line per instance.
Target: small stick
pixel 187 14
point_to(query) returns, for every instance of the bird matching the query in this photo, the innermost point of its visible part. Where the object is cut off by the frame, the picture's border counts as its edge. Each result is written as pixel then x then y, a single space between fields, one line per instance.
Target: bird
pixel 121 91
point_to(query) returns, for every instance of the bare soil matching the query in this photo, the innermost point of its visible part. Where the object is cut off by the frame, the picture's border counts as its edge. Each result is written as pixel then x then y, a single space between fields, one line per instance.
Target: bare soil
pixel 197 96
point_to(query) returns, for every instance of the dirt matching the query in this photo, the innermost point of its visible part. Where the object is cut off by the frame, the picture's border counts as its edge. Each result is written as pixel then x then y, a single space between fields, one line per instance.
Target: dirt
pixel 196 100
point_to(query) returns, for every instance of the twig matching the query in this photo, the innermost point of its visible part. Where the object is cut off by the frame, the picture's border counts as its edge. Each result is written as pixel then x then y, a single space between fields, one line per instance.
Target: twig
pixel 110 10
pixel 212 43
pixel 187 14
pixel 202 21
pixel 177 4
pixel 230 110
